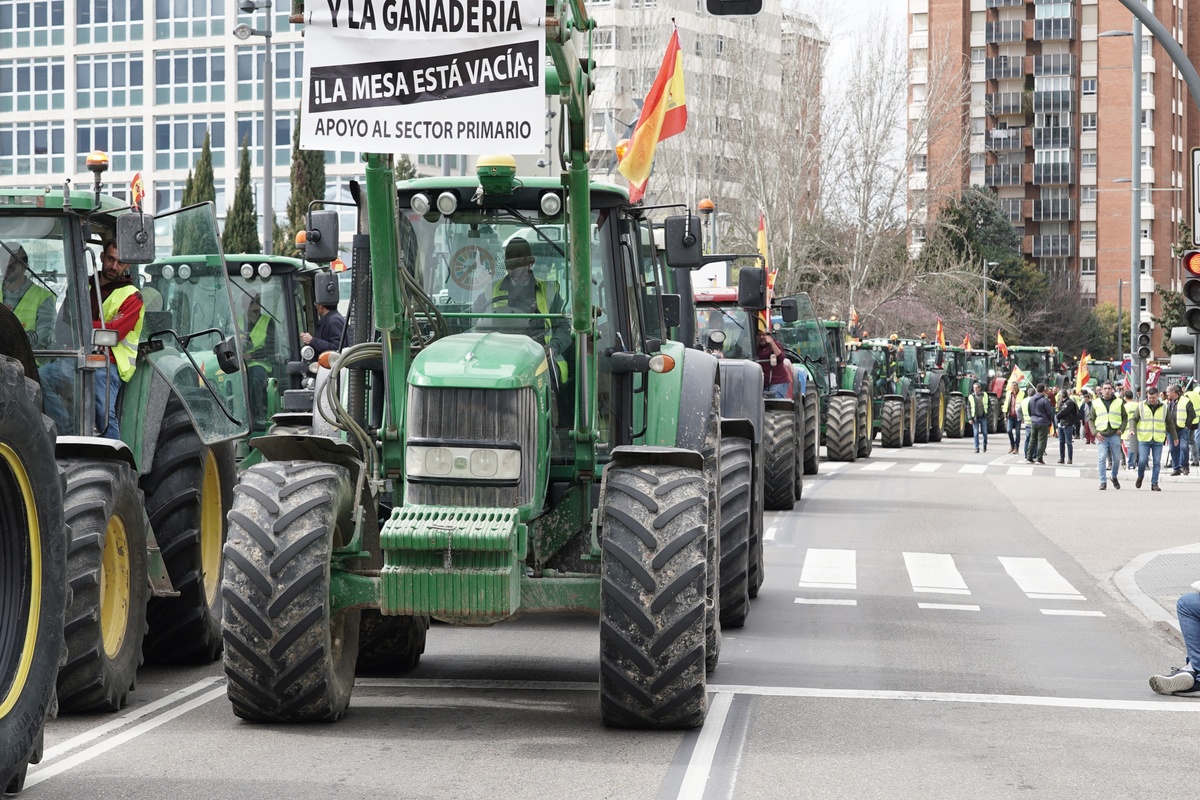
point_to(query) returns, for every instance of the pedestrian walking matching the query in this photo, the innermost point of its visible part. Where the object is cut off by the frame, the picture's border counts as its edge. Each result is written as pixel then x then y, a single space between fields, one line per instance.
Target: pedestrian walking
pixel 1041 417
pixel 1025 421
pixel 1067 417
pixel 1183 679
pixel 1111 421
pixel 1181 422
pixel 978 406
pixel 1150 426
pixel 1131 450
pixel 1086 415
pixel 1012 415
pixel 1193 394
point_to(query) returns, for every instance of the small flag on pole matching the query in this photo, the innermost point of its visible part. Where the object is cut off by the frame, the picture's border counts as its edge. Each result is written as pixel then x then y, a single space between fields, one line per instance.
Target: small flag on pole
pixel 664 114
pixel 137 190
pixel 1000 345
pixel 941 335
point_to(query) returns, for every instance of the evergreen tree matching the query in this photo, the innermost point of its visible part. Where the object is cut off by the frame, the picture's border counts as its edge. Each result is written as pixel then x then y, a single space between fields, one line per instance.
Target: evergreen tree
pixel 405 169
pixel 204 188
pixel 308 184
pixel 241 223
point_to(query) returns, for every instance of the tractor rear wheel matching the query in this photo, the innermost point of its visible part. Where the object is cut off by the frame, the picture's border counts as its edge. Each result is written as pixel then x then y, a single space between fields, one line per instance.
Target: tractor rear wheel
pixel 779 453
pixel 736 509
pixel 921 433
pixel 288 657
pixel 189 490
pixel 812 437
pixel 33 571
pixel 937 415
pixel 954 416
pixel 390 644
pixel 841 424
pixel 910 422
pixel 866 425
pixel 995 417
pixel 891 423
pixel 712 588
pixel 652 597
pixel 106 567
pixel 757 555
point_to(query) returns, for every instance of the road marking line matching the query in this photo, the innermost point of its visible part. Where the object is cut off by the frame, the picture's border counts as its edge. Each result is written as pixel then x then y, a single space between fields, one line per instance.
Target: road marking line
pixel 121 738
pixel 878 466
pixel 934 572
pixel 1020 470
pixel 973 469
pixel 700 765
pixel 472 683
pixel 948 606
pixel 1064 472
pixel 133 715
pixel 819 602
pixel 769 535
pixel 926 466
pixel 1039 596
pixel 830 466
pixel 1070 612
pixel 829 569
pixel 1037 576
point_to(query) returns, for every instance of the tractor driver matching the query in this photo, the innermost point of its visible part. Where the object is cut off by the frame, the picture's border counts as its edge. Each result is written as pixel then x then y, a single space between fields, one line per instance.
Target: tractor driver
pixel 32 303
pixel 521 292
pixel 258 345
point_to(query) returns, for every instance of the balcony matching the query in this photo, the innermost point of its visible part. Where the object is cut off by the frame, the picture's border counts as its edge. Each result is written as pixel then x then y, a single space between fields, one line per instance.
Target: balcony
pixel 1000 103
pixel 1053 174
pixel 1053 211
pixel 1047 138
pixel 1006 140
pixel 1060 100
pixel 1054 30
pixel 1005 32
pixel 1059 64
pixel 1005 3
pixel 1055 246
pixel 1003 175
pixel 1004 67
pixel 1011 208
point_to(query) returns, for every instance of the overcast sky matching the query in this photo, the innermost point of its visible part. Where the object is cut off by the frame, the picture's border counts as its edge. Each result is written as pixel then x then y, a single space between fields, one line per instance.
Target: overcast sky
pixel 844 20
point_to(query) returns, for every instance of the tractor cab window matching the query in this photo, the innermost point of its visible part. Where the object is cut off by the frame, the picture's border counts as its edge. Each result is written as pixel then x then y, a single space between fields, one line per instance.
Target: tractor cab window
pixel 934 358
pixel 1033 364
pixel 806 335
pixel 36 263
pixel 260 309
pixel 977 366
pixel 737 324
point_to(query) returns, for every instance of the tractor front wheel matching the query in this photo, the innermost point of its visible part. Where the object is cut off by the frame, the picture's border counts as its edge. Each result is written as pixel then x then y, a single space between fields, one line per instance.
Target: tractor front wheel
pixel 812 436
pixel 921 434
pixel 390 644
pixel 840 427
pixel 866 425
pixel 954 416
pixel 736 509
pixel 891 423
pixel 937 415
pixel 779 453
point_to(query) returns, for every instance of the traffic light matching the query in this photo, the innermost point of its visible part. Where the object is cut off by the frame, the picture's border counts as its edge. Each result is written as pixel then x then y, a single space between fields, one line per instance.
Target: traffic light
pixel 1191 291
pixel 1143 342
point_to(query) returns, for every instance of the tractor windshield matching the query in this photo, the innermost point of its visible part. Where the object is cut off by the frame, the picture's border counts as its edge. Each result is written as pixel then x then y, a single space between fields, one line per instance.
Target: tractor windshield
pixel 1034 364
pixel 735 322
pixel 934 358
pixel 977 366
pixel 806 335
pixel 37 263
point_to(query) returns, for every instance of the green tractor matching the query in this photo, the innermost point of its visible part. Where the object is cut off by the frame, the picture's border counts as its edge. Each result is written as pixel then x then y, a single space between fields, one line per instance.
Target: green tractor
pixel 894 398
pixel 928 382
pixel 147 511
pixel 1037 365
pixel 981 366
pixel 955 385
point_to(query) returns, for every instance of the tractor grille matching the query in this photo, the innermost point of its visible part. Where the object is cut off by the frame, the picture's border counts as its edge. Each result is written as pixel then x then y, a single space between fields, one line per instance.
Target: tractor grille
pixel 475 415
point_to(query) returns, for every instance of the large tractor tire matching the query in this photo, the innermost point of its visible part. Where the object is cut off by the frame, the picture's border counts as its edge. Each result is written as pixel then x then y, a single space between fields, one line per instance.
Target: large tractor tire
pixel 812 437
pixel 736 510
pixel 388 644
pixel 758 563
pixel 841 428
pixel 288 658
pixel 891 423
pixel 921 432
pixel 866 425
pixel 106 566
pixel 910 422
pixel 954 416
pixel 33 572
pixel 189 490
pixel 779 453
pixel 937 415
pixel 652 597
pixel 712 587
pixel 995 416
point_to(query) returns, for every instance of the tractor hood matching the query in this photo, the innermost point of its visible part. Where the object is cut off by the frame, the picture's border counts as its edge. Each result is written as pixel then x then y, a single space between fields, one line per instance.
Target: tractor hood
pixel 480 361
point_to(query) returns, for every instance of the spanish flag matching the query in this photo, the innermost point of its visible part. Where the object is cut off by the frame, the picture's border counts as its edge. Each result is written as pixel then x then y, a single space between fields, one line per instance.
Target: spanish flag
pixel 1000 345
pixel 137 190
pixel 966 344
pixel 762 240
pixel 1081 372
pixel 1016 376
pixel 664 114
pixel 941 335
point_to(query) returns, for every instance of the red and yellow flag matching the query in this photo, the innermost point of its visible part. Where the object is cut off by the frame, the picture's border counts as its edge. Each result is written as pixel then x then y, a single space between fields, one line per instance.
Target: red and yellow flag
pixel 664 114
pixel 1081 372
pixel 1016 376
pixel 941 335
pixel 1000 345
pixel 137 190
pixel 966 343
pixel 762 240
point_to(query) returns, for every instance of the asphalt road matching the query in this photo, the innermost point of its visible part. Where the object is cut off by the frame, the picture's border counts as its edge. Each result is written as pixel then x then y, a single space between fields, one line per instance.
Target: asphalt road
pixel 946 626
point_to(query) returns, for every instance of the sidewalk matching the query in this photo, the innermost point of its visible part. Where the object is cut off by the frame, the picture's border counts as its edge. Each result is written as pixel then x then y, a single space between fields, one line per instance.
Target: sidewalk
pixel 1154 581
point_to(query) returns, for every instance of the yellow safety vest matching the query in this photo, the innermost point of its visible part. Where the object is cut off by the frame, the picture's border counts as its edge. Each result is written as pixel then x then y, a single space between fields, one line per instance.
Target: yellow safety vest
pixel 28 305
pixel 987 404
pixel 1181 411
pixel 1194 397
pixel 500 301
pixel 258 335
pixel 1108 421
pixel 1025 410
pixel 1130 407
pixel 1152 423
pixel 125 353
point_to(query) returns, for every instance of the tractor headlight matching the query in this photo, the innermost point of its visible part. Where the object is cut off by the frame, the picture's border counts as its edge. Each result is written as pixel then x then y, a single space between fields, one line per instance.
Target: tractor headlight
pixel 463 463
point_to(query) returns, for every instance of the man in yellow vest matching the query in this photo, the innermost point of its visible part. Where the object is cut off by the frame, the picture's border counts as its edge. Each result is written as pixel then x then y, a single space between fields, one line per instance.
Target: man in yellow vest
pixel 1193 394
pixel 1025 422
pixel 1012 415
pixel 1150 427
pixel 32 303
pixel 120 307
pixel 258 345
pixel 1110 421
pixel 978 405
pixel 1181 419
pixel 1130 412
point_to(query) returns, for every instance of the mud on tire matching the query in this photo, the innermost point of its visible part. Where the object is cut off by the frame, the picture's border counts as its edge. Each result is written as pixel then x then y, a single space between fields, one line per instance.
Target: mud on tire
pixel 954 416
pixel 921 434
pixel 779 454
pixel 736 510
pixel 891 423
pixel 841 425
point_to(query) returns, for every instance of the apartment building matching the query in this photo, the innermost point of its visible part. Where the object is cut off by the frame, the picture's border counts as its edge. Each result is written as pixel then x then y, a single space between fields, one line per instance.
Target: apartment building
pixel 1049 130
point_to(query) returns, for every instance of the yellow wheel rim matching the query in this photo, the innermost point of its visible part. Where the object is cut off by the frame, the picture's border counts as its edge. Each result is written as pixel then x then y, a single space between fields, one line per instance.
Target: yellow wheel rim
pixel 9 458
pixel 212 520
pixel 115 587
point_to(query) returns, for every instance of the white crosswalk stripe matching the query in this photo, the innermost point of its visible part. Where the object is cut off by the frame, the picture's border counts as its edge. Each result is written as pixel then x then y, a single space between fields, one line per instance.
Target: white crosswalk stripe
pixel 1038 579
pixel 1020 470
pixel 973 469
pixel 879 466
pixel 829 569
pixel 925 466
pixel 934 572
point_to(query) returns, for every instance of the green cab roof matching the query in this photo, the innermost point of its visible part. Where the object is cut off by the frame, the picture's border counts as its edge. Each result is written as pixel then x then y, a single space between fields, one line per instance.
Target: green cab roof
pixel 81 199
pixel 471 182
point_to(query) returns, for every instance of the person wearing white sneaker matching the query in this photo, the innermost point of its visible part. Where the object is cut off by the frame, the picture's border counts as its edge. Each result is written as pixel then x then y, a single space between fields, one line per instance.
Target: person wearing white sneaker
pixel 1183 679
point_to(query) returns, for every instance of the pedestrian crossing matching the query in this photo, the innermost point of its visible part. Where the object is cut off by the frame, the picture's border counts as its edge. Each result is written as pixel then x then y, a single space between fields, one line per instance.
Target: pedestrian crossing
pixel 829 575
pixel 995 467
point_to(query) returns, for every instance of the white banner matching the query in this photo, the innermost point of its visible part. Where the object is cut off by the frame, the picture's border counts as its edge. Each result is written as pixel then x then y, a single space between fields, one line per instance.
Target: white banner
pixel 424 76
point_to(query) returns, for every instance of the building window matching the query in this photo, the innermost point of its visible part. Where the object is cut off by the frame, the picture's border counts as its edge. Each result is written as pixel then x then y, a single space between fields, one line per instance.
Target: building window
pixel 110 81
pixel 920 162
pixel 1087 122
pixel 168 195
pixel 643 3
pixel 1087 266
pixel 120 138
pixel 978 55
pixel 1087 195
pixel 1087 232
pixel 31 23
pixel 1147 156
pixel 101 21
pixel 1089 87
pixel 1147 265
pixel 1148 118
pixel 918 234
pixel 602 39
pixel 1142 304
pixel 1087 159
pixel 250 130
pixel 978 161
pixel 185 19
pixel 179 139
pixel 189 76
pixel 1146 228
pixel 28 148
pixel 719 47
pixel 1053 11
pixel 641 39
pixel 32 84
pixel 593 3
pixel 1147 83
pixel 288 64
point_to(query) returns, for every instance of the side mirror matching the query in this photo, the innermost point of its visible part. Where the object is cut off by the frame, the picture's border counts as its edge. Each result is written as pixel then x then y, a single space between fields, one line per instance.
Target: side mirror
pixel 682 239
pixel 790 309
pixel 672 305
pixel 752 288
pixel 321 243
pixel 226 354
pixel 135 238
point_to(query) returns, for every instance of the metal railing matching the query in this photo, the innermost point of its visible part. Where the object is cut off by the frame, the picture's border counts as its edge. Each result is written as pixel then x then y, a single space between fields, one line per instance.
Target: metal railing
pixel 1045 138
pixel 1058 100
pixel 1011 208
pixel 1057 64
pixel 1004 67
pixel 1003 175
pixel 1055 173
pixel 998 103
pixel 1053 211
pixel 1047 30
pixel 1003 32
pixel 1053 246
pixel 1006 140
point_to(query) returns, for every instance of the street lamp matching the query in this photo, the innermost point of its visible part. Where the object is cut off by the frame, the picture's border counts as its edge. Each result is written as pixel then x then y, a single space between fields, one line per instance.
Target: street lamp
pixel 244 32
pixel 1120 291
pixel 987 268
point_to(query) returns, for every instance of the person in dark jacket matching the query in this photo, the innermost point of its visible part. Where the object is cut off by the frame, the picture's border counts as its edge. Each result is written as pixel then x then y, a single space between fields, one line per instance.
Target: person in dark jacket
pixel 327 335
pixel 1041 415
pixel 1067 417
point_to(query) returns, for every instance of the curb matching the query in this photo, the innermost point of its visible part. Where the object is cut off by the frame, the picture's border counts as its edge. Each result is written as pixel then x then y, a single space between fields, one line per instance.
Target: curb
pixel 1126 581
